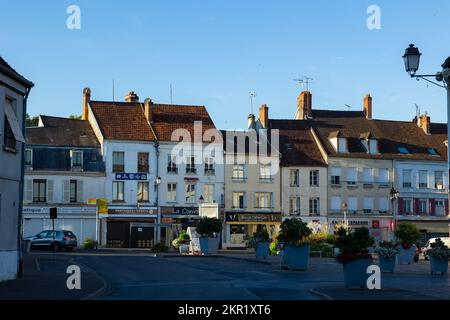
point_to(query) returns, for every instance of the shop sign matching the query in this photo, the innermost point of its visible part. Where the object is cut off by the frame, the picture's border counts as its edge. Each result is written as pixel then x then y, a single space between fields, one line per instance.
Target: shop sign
pixel 130 211
pixel 253 217
pixel 166 220
pixel 102 206
pixel 131 176
pixel 61 210
pixel 356 223
pixel 186 211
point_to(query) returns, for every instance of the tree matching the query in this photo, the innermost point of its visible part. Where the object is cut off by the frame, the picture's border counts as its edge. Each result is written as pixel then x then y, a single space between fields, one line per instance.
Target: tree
pixel 74 116
pixel 31 121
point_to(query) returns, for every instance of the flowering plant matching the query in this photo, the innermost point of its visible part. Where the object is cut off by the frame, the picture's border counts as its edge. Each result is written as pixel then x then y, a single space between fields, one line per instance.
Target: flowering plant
pixel 386 250
pixel 438 250
pixel 353 245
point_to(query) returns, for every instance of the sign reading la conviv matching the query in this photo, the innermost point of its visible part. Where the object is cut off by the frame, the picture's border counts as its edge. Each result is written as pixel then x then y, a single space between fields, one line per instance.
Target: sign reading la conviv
pixel 131 176
pixel 186 211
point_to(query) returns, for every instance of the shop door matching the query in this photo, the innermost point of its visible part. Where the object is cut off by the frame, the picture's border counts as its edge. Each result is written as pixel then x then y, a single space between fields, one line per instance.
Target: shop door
pixel 142 236
pixel 118 234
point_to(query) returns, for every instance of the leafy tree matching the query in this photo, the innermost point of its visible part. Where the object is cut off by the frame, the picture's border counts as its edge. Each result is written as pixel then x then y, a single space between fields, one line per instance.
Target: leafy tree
pixel 74 116
pixel 293 231
pixel 208 226
pixel 408 233
pixel 31 121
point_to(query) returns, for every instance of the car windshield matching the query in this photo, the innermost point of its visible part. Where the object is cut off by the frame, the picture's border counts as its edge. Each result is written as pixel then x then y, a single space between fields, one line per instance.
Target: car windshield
pixel 42 234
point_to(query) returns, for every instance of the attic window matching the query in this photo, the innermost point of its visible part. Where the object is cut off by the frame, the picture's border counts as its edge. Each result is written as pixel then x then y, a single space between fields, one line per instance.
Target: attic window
pixel 402 150
pixel 432 151
pixel 342 145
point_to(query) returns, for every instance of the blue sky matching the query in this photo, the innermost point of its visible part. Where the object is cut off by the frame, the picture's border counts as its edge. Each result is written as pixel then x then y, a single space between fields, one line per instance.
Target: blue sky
pixel 215 52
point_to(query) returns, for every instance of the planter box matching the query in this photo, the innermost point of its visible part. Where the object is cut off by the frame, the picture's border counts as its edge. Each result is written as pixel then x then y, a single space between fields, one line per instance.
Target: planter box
pixel 296 257
pixel 406 256
pixel 387 265
pixel 355 273
pixel 438 265
pixel 184 248
pixel 209 245
pixel 262 250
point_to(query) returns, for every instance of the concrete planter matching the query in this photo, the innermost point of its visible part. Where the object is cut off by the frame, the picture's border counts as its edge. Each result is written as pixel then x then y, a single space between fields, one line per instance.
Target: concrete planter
pixel 355 273
pixel 406 256
pixel 262 250
pixel 296 257
pixel 209 245
pixel 387 265
pixel 438 265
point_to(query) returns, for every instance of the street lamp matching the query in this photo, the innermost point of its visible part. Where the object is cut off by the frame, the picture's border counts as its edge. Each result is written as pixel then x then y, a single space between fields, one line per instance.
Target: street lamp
pixel 344 208
pixel 412 59
pixel 393 196
pixel 158 211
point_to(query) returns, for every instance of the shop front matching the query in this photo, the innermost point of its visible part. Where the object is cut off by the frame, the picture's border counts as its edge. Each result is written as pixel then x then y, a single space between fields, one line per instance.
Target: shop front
pixel 381 229
pixel 240 227
pixel 130 228
pixel 176 220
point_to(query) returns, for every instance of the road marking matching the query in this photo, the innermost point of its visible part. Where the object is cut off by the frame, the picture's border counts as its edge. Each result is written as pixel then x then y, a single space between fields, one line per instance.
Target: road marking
pixel 38 267
pixel 320 294
pixel 184 283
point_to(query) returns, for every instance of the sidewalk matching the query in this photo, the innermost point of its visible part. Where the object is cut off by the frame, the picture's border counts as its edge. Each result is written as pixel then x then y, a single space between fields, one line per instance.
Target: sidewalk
pixel 44 278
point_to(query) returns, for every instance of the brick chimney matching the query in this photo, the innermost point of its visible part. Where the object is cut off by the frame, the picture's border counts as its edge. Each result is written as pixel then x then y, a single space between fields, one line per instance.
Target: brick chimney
pixel 424 122
pixel 368 106
pixel 148 110
pixel 264 116
pixel 131 97
pixel 304 105
pixel 86 100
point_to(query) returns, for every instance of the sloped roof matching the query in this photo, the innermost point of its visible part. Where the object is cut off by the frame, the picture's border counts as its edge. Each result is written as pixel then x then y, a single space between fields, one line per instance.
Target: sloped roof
pixel 297 144
pixel 62 132
pixel 6 68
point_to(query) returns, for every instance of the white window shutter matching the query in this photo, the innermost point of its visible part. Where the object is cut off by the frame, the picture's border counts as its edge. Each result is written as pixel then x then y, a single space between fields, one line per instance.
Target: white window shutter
pixel 66 191
pixel 80 191
pixel 50 191
pixel 28 195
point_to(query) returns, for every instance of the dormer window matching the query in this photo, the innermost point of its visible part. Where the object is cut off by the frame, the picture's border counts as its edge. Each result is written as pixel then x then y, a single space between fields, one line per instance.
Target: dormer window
pixel 369 142
pixel 373 146
pixel 338 141
pixel 342 145
pixel 402 150
pixel 432 151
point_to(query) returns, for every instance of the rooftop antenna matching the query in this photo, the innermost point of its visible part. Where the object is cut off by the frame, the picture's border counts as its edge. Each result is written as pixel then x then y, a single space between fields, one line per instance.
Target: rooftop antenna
pixel 348 106
pixel 171 94
pixel 304 81
pixel 417 110
pixel 252 95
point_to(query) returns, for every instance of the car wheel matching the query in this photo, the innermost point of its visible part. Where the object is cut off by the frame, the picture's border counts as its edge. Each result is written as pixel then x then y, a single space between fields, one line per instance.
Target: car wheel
pixel 55 246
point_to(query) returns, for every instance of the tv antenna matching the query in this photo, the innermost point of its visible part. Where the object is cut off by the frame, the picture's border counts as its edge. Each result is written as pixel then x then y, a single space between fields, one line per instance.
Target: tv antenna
pixel 348 106
pixel 304 81
pixel 252 95
pixel 417 110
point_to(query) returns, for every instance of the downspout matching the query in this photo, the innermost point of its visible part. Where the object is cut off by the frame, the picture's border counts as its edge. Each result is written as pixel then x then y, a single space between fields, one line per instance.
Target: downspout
pixel 21 186
pixel 158 209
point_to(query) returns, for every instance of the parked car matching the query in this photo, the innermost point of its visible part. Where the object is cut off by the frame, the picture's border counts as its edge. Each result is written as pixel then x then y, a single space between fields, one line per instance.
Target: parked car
pixel 63 239
pixel 424 249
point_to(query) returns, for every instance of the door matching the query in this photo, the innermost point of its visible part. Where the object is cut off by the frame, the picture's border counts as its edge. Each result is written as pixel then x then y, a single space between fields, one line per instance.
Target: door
pixel 41 239
pixel 118 234
pixel 142 236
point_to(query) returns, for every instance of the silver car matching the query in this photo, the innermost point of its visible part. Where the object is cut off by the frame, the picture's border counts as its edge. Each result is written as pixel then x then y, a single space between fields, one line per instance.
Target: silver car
pixel 56 240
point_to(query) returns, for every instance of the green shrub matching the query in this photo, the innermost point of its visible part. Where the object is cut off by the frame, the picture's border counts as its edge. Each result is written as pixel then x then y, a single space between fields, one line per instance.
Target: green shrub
pixel 408 233
pixel 261 236
pixel 207 227
pixel 90 244
pixel 325 248
pixel 160 247
pixel 294 232
pixel 353 245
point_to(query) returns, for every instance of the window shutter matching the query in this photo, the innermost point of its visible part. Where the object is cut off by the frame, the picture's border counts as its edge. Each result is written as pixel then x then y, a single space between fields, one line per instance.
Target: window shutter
pixel 66 191
pixel 432 207
pixel 80 191
pixel 446 206
pixel 400 205
pixel 28 195
pixel 50 191
pixel 416 205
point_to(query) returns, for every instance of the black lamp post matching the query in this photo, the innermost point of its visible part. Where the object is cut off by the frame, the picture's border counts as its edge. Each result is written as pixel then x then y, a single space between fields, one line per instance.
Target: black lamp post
pixel 393 196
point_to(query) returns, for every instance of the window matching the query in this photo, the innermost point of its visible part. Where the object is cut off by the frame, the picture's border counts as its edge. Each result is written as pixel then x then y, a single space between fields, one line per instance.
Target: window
pixel 190 165
pixel 368 175
pixel 439 180
pixel 368 205
pixel 39 190
pixel 432 151
pixel 265 172
pixel 28 157
pixel 142 165
pixel 402 150
pixel 9 140
pixel 423 179
pixel 171 192
pixel 373 149
pixel 336 204
pixel 383 205
pixel 383 176
pixel 118 187
pixel 12 129
pixel 239 200
pixel 118 161
pixel 314 178
pixel 77 159
pixel 143 192
pixel 407 205
pixel 314 206
pixel 208 193
pixel 342 145
pixel 352 176
pixel 423 206
pixel 190 193
pixel 294 205
pixel 209 165
pixel 239 171
pixel 172 164
pixel 294 177
pixel 407 179
pixel 335 176
pixel 352 204
pixel 73 191
pixel 263 200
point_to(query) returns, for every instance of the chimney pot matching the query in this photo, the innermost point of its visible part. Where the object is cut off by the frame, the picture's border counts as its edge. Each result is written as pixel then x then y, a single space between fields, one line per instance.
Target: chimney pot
pixel 304 105
pixel 131 97
pixel 424 123
pixel 368 106
pixel 148 110
pixel 86 100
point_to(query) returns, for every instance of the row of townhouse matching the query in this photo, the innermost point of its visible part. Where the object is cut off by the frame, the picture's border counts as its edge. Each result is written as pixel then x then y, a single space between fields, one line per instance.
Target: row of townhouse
pixel 324 166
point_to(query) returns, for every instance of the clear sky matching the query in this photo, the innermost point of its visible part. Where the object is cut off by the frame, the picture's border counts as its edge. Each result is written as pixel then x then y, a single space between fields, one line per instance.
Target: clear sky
pixel 215 52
